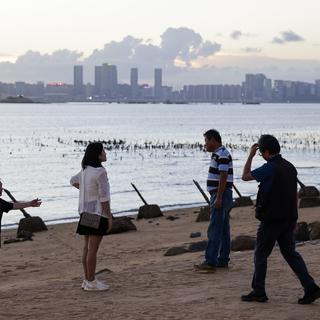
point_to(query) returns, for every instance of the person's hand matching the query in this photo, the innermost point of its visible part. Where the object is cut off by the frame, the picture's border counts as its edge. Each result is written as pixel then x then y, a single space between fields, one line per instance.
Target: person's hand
pixel 218 203
pixel 35 203
pixel 109 224
pixel 253 149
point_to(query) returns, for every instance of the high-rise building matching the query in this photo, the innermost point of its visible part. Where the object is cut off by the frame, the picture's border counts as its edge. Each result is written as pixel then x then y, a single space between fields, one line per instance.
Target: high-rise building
pixel 109 80
pixel 134 83
pixel 158 83
pixel 97 80
pixel 318 88
pixel 257 87
pixel 78 87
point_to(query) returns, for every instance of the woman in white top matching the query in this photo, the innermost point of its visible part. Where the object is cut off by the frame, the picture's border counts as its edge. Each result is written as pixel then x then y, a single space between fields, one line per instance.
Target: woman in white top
pixel 94 197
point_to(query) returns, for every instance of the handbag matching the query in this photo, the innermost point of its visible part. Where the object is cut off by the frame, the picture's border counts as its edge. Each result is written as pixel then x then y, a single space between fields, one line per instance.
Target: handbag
pixel 90 220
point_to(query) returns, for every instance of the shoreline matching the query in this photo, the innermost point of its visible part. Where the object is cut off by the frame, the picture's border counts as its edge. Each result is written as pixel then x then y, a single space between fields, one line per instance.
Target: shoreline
pixel 129 213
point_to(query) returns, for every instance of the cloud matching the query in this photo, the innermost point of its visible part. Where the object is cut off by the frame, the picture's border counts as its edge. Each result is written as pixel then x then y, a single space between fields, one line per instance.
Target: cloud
pixel 287 36
pixel 177 44
pixel 236 34
pixel 251 50
pixel 185 56
pixel 182 44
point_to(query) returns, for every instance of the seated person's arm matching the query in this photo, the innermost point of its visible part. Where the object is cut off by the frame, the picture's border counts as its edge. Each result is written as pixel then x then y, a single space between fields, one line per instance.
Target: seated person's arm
pixel 22 205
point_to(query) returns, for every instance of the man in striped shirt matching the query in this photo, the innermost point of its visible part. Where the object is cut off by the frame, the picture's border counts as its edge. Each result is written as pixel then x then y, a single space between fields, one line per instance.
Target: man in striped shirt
pixel 219 185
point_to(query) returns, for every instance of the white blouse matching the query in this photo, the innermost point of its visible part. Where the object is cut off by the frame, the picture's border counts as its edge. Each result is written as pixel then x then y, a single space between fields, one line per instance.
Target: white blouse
pixel 94 189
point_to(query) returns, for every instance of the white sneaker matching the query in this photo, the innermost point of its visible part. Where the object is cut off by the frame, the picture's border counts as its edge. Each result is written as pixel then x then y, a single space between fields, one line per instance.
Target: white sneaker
pixel 84 282
pixel 95 285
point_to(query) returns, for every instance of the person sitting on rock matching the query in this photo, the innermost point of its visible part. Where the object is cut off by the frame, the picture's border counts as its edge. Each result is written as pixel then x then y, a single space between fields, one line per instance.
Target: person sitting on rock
pixel 6 206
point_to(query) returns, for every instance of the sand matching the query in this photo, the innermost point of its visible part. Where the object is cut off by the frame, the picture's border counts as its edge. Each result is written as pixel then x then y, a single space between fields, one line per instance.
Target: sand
pixel 41 279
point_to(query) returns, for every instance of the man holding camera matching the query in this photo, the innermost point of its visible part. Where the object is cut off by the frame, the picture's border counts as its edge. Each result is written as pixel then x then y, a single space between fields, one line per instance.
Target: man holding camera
pixel 276 208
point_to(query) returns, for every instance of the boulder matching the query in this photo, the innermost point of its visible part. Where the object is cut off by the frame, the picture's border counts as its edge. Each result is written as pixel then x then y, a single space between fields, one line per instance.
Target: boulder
pixel 122 224
pixel 314 230
pixel 302 232
pixel 309 202
pixel 198 246
pixel 242 202
pixel 204 214
pixel 23 234
pixel 243 243
pixel 31 224
pixel 149 211
pixel 172 218
pixel 174 251
pixel 195 234
pixel 308 191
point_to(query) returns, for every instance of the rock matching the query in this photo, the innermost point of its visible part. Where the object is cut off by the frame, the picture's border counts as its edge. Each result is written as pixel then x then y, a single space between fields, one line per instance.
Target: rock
pixel 198 246
pixel 195 234
pixel 309 202
pixel 308 191
pixel 24 234
pixel 122 224
pixel 204 214
pixel 242 202
pixel 149 211
pixel 14 240
pixel 174 251
pixel 302 232
pixel 314 230
pixel 172 218
pixel 243 243
pixel 32 224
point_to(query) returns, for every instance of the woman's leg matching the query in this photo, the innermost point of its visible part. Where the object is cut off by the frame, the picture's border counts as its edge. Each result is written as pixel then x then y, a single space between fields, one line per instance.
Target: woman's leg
pixel 93 246
pixel 84 257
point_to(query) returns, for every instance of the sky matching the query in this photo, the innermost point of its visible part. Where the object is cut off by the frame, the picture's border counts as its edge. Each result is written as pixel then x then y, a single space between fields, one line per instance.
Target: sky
pixel 185 37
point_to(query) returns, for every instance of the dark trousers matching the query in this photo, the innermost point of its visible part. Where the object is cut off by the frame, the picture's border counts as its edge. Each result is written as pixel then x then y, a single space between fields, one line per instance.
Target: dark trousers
pixel 218 248
pixel 283 233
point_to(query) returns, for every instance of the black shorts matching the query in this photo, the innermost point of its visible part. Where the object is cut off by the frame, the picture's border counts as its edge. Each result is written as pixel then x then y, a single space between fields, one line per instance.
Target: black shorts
pixel 86 231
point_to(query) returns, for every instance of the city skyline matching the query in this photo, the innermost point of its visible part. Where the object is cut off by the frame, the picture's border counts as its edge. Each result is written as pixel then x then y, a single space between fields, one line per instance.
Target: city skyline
pixel 207 42
pixel 255 88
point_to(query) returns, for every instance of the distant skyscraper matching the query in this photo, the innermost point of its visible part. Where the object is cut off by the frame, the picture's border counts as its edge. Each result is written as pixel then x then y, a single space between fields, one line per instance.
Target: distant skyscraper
pixel 134 83
pixel 78 81
pixel 109 80
pixel 317 88
pixel 158 83
pixel 257 87
pixel 97 80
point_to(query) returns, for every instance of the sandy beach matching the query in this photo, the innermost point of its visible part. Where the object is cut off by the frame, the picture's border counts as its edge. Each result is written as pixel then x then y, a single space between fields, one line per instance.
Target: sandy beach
pixel 41 279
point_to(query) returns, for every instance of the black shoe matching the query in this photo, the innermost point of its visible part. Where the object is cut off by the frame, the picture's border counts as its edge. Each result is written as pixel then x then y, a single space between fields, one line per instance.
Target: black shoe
pixel 252 296
pixel 310 296
pixel 222 266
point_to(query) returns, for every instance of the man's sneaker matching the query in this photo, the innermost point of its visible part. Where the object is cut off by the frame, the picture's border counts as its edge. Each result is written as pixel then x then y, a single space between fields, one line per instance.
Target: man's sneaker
pixel 252 296
pixel 310 296
pixel 204 267
pixel 84 282
pixel 95 285
pixel 222 266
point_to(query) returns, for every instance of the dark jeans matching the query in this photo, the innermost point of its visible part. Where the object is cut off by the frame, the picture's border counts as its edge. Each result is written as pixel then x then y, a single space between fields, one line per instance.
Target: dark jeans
pixel 283 233
pixel 218 248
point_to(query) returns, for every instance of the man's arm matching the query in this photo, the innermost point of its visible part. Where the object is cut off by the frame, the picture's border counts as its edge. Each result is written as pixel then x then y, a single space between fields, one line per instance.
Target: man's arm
pixel 221 187
pixel 246 174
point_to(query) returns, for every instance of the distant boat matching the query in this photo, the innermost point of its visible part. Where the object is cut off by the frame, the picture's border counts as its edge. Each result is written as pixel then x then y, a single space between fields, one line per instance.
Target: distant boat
pixel 251 102
pixel 17 99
